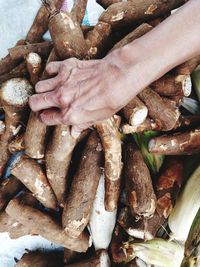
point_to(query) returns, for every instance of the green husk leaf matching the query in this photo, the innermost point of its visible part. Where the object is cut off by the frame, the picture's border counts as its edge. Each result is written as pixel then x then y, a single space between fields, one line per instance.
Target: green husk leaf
pixel 187 205
pixel 154 162
pixel 158 252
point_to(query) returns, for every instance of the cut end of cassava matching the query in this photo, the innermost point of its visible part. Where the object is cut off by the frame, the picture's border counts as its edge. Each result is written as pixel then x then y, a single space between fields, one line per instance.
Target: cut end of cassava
pixel 139 233
pixel 139 116
pixel 2 127
pixel 16 92
pixel 151 145
pixel 34 59
pixel 104 259
pixel 186 84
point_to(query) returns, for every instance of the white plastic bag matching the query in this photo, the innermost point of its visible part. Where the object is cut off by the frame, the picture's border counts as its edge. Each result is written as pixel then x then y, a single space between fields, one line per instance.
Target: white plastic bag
pixel 18 15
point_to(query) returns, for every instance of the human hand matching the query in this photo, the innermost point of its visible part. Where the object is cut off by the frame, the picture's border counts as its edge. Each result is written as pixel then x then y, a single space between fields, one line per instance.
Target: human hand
pixel 84 92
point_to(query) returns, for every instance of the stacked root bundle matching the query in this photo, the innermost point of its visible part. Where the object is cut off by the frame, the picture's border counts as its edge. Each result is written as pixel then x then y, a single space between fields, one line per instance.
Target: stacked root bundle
pixel 109 192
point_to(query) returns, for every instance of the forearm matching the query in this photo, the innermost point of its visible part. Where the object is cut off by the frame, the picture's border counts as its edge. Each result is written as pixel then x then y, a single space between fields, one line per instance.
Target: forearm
pixel 171 43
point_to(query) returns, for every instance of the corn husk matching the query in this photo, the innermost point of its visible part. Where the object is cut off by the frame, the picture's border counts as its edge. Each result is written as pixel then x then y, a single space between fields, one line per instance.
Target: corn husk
pixel 187 205
pixel 154 162
pixel 158 252
pixel 192 245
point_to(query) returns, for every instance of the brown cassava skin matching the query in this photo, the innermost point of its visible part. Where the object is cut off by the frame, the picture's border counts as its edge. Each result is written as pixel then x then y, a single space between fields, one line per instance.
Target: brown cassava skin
pixel 162 112
pixel 95 261
pixel 129 13
pixel 70 256
pixel 40 23
pixel 106 3
pixel 110 138
pixel 167 190
pixel 168 186
pixel 42 224
pixel 130 111
pixel 12 127
pixel 141 196
pixel 186 143
pixel 171 85
pixel 136 33
pixel 133 226
pixel 35 137
pixel 132 264
pixel 97 39
pixel 58 158
pixel 30 173
pixel 41 259
pixel 17 144
pixel 67 36
pixel 19 71
pixel 37 132
pixel 78 206
pixel 147 125
pixel 8 189
pixel 188 122
pixel 157 21
pixel 12 227
pixel 7 63
pixel 188 67
pixel 78 10
pixel 21 51
pixel 14 116
pixel 34 66
pixel 118 238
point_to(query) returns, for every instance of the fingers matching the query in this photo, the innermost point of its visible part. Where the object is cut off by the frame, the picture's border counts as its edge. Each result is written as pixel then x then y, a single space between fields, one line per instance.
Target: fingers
pixel 51 117
pixel 47 85
pixel 40 102
pixel 53 67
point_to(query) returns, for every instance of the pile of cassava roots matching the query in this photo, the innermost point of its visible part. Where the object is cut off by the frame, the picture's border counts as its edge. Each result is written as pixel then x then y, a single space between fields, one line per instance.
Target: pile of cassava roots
pixel 109 197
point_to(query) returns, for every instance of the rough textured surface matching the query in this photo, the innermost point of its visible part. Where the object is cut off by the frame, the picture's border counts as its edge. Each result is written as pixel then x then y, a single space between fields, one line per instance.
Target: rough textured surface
pixel 167 120
pixel 110 138
pixel 101 259
pixel 141 197
pixel 78 207
pixel 30 173
pixel 187 143
pixel 43 224
pixel 8 189
pixel 58 158
pixel 127 13
pixel 135 112
pixel 41 259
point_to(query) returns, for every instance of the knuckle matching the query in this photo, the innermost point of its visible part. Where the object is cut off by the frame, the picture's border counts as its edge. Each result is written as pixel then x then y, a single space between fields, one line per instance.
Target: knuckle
pixel 60 98
pixel 61 76
pixel 73 119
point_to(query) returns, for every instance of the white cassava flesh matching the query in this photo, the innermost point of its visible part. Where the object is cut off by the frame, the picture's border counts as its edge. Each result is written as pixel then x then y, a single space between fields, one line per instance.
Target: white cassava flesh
pixel 101 222
pixel 185 210
pixel 16 91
